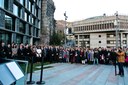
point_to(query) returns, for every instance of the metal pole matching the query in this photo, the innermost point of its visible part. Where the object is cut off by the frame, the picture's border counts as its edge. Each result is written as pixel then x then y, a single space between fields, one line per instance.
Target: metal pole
pixel 116 39
pixel 116 29
pixel 31 70
pixel 65 28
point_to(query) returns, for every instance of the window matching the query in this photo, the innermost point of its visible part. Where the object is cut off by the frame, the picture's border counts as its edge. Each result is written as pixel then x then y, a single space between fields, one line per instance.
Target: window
pixel 99 41
pixel 22 27
pixel 124 35
pixel 34 31
pixel 30 27
pixel 19 12
pixel 25 16
pixel 32 20
pixel 37 33
pixel 27 40
pixel 33 8
pixel 124 41
pixel 15 10
pixel 29 18
pixel 19 39
pixel 4 4
pixel 22 1
pixel 39 24
pixel 8 22
pixel 29 6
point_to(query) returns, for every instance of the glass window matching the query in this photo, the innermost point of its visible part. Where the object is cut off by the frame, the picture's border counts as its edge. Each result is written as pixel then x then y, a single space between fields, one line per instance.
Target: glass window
pixel 27 40
pixel 36 12
pixel 5 36
pixel 39 24
pixel 29 18
pixel 37 33
pixel 8 22
pixel 22 27
pixel 20 13
pixel 19 39
pixel 22 1
pixel 25 16
pixel 2 3
pixel 40 3
pixel 15 9
pixel 32 20
pixel 26 3
pixel 33 10
pixel 29 6
pixel 34 31
pixel 6 4
pixel 30 30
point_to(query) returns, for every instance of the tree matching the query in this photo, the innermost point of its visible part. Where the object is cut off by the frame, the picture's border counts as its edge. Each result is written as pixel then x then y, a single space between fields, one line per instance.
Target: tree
pixel 56 38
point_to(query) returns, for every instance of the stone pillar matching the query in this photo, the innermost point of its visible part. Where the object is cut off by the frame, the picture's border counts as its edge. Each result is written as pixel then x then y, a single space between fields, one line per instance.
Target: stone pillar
pixel 127 40
pixel 121 40
pixel 78 41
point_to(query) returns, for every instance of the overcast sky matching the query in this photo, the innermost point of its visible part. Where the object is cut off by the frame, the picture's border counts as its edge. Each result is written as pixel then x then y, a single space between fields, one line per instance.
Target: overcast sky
pixel 82 9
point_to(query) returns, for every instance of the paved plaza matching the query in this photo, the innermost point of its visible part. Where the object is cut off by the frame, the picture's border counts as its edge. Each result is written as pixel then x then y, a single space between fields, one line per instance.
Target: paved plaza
pixel 78 74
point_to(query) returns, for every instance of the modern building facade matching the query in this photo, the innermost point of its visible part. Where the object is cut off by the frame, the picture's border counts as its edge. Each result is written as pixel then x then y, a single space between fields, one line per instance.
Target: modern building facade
pixel 48 21
pixel 101 31
pixel 20 21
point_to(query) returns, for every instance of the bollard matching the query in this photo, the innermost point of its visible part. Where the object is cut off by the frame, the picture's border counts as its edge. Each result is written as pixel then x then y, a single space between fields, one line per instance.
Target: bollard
pixel 41 73
pixel 31 69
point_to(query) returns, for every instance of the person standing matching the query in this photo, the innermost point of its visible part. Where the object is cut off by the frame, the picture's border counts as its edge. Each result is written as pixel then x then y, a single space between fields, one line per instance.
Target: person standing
pixel 20 52
pixel 27 52
pixel 121 60
pixel 3 50
pixel 9 51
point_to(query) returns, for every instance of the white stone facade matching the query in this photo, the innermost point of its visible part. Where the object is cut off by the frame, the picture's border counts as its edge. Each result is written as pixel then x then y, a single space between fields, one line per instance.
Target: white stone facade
pixel 101 31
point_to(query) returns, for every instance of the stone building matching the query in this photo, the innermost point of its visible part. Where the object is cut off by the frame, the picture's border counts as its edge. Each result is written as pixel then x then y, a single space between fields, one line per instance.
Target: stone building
pixel 48 21
pixel 100 31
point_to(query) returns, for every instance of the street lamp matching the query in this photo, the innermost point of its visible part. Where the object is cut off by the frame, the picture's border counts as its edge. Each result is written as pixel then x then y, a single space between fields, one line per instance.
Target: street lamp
pixel 116 24
pixel 65 28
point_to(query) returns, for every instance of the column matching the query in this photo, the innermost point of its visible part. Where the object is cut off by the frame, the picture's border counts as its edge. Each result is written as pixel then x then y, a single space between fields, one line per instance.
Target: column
pixel 127 40
pixel 121 40
pixel 78 41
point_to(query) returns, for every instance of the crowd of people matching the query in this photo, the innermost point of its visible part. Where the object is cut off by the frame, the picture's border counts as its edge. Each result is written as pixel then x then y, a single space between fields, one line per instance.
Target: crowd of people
pixel 60 54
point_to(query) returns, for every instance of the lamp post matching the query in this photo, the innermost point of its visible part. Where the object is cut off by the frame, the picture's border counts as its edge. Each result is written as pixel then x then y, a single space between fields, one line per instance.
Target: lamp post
pixel 116 24
pixel 117 36
pixel 65 28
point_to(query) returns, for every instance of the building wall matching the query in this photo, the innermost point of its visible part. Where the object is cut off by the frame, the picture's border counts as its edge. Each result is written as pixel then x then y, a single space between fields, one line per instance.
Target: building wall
pixel 20 21
pixel 104 26
pixel 97 40
pixel 48 25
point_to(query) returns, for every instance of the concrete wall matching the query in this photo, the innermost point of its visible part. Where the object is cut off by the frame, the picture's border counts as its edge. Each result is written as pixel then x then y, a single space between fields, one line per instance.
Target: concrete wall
pixel 95 39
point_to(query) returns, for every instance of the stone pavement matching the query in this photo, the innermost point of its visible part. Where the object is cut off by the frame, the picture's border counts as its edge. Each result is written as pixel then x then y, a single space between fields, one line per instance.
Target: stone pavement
pixel 78 74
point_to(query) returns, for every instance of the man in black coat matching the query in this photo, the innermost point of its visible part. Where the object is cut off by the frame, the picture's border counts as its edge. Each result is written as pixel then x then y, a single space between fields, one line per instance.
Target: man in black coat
pixel 27 52
pixel 3 50
pixel 9 51
pixel 20 52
